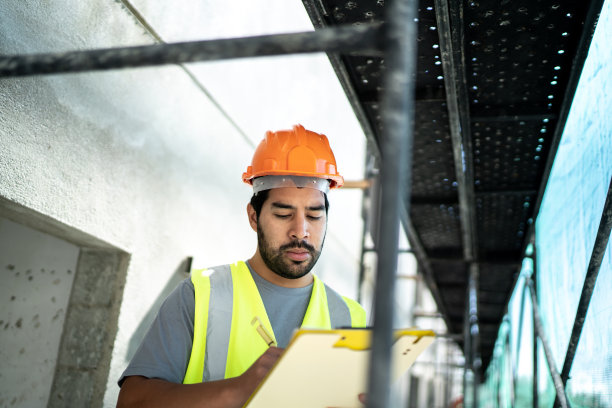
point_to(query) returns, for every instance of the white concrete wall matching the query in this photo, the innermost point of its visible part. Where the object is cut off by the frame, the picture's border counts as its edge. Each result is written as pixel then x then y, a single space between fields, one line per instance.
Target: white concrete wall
pixel 37 271
pixel 149 160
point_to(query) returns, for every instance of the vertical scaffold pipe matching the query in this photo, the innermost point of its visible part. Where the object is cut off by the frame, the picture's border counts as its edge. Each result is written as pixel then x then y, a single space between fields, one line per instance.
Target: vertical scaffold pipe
pixel 467 346
pixel 554 373
pixel 396 164
pixel 534 389
pixel 474 330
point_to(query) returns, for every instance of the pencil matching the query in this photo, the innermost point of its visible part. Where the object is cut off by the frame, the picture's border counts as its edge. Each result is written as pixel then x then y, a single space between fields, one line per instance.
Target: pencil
pixel 262 332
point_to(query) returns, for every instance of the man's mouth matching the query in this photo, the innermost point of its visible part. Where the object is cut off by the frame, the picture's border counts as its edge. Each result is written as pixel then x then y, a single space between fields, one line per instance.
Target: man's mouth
pixel 297 254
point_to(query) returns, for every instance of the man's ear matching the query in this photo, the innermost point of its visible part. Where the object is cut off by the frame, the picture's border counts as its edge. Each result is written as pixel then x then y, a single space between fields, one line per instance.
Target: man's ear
pixel 252 216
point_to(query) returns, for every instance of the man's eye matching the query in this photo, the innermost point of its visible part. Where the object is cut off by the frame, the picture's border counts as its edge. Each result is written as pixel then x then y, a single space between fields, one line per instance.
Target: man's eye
pixel 282 215
pixel 315 217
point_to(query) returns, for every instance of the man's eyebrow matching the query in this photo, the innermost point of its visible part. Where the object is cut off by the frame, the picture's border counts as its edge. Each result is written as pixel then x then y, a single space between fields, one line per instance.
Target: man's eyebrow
pixel 284 206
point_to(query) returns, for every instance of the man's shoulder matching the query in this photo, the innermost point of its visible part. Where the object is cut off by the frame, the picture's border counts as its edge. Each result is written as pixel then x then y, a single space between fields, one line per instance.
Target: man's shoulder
pixel 219 269
pixel 215 276
pixel 185 290
pixel 344 310
pixel 331 292
pixel 207 273
pixel 210 270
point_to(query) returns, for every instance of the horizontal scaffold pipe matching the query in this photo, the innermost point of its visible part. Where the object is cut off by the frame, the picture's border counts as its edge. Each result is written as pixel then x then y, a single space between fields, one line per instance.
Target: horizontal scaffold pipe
pixel 344 39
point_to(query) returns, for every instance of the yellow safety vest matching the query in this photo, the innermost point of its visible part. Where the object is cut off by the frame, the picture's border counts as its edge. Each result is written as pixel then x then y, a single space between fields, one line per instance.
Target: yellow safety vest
pixel 245 344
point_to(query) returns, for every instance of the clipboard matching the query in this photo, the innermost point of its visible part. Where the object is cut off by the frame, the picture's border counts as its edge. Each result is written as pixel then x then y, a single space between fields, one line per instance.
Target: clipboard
pixel 328 368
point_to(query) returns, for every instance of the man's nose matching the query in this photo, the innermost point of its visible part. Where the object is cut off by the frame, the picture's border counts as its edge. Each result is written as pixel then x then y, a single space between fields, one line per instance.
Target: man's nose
pixel 299 227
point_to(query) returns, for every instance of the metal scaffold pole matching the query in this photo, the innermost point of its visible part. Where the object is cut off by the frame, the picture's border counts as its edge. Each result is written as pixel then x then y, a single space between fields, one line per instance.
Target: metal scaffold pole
pixel 396 164
pixel 539 326
pixel 340 39
pixel 474 330
pixel 599 249
pixel 467 347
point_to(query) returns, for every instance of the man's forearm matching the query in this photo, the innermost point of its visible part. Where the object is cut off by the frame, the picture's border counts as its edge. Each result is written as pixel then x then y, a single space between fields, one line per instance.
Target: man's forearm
pixel 138 391
pixel 143 392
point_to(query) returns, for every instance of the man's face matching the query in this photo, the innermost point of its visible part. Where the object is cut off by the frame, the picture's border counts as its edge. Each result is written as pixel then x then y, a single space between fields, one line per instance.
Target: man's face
pixel 291 230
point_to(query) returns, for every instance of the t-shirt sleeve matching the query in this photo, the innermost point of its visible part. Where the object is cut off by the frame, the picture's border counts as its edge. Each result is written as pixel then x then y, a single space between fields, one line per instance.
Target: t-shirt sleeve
pixel 166 348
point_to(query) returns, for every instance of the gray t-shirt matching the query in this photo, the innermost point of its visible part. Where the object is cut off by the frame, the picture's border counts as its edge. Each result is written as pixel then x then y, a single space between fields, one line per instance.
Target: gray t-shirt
pixel 285 307
pixel 165 351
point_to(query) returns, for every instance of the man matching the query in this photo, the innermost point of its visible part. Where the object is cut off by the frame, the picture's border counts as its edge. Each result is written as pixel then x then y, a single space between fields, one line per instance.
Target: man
pixel 215 337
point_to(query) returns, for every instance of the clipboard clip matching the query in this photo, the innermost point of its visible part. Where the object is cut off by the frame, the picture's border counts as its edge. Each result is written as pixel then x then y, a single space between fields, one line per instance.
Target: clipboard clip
pixel 354 339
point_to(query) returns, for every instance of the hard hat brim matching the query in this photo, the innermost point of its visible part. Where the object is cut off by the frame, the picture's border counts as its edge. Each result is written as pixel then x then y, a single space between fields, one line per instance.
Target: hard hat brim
pixel 334 180
pixel 281 181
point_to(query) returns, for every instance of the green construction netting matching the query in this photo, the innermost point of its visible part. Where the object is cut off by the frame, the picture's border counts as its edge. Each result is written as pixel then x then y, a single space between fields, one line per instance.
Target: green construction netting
pixel 509 377
pixel 566 228
pixel 590 383
pixel 567 225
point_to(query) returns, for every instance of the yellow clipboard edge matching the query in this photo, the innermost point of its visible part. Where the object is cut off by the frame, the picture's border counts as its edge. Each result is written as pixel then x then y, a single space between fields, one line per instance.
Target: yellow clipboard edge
pixel 414 332
pixel 359 339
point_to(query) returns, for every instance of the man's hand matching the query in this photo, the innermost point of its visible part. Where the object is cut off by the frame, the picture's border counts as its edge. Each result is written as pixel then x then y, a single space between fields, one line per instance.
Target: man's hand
pixel 260 368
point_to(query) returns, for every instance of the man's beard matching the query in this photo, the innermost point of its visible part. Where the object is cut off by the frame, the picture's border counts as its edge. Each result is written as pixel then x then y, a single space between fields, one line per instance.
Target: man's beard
pixel 279 264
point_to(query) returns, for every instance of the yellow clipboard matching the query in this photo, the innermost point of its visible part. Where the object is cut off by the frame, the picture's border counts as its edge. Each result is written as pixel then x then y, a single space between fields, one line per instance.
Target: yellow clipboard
pixel 328 368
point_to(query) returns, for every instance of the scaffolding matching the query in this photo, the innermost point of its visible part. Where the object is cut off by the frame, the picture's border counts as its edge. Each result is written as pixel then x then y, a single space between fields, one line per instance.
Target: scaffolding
pixel 395 41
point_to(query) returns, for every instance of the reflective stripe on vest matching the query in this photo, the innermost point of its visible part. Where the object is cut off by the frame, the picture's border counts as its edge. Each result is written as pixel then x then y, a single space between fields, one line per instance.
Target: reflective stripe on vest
pixel 201 285
pixel 235 356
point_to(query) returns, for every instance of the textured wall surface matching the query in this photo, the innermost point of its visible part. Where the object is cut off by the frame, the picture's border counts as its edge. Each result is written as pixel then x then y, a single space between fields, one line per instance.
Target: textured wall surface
pixel 37 271
pixel 149 160
pixel 89 331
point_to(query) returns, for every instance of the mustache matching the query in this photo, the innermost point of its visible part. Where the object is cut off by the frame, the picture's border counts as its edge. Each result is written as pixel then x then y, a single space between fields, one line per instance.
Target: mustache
pixel 297 244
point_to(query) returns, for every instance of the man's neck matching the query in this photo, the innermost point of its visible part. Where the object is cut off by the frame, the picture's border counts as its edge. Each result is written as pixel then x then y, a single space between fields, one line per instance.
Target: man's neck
pixel 259 266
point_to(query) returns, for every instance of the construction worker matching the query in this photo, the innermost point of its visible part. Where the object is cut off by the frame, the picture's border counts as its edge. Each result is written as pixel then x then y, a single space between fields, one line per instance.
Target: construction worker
pixel 220 331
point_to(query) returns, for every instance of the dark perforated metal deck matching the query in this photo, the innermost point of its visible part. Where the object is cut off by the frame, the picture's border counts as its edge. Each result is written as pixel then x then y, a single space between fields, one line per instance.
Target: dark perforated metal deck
pixel 518 58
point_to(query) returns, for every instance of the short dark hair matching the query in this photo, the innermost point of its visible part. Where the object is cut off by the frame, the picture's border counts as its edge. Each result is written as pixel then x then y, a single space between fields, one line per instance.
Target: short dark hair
pixel 258 200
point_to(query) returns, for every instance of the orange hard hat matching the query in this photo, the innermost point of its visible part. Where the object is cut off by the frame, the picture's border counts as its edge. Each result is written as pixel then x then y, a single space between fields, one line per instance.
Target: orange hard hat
pixel 295 152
